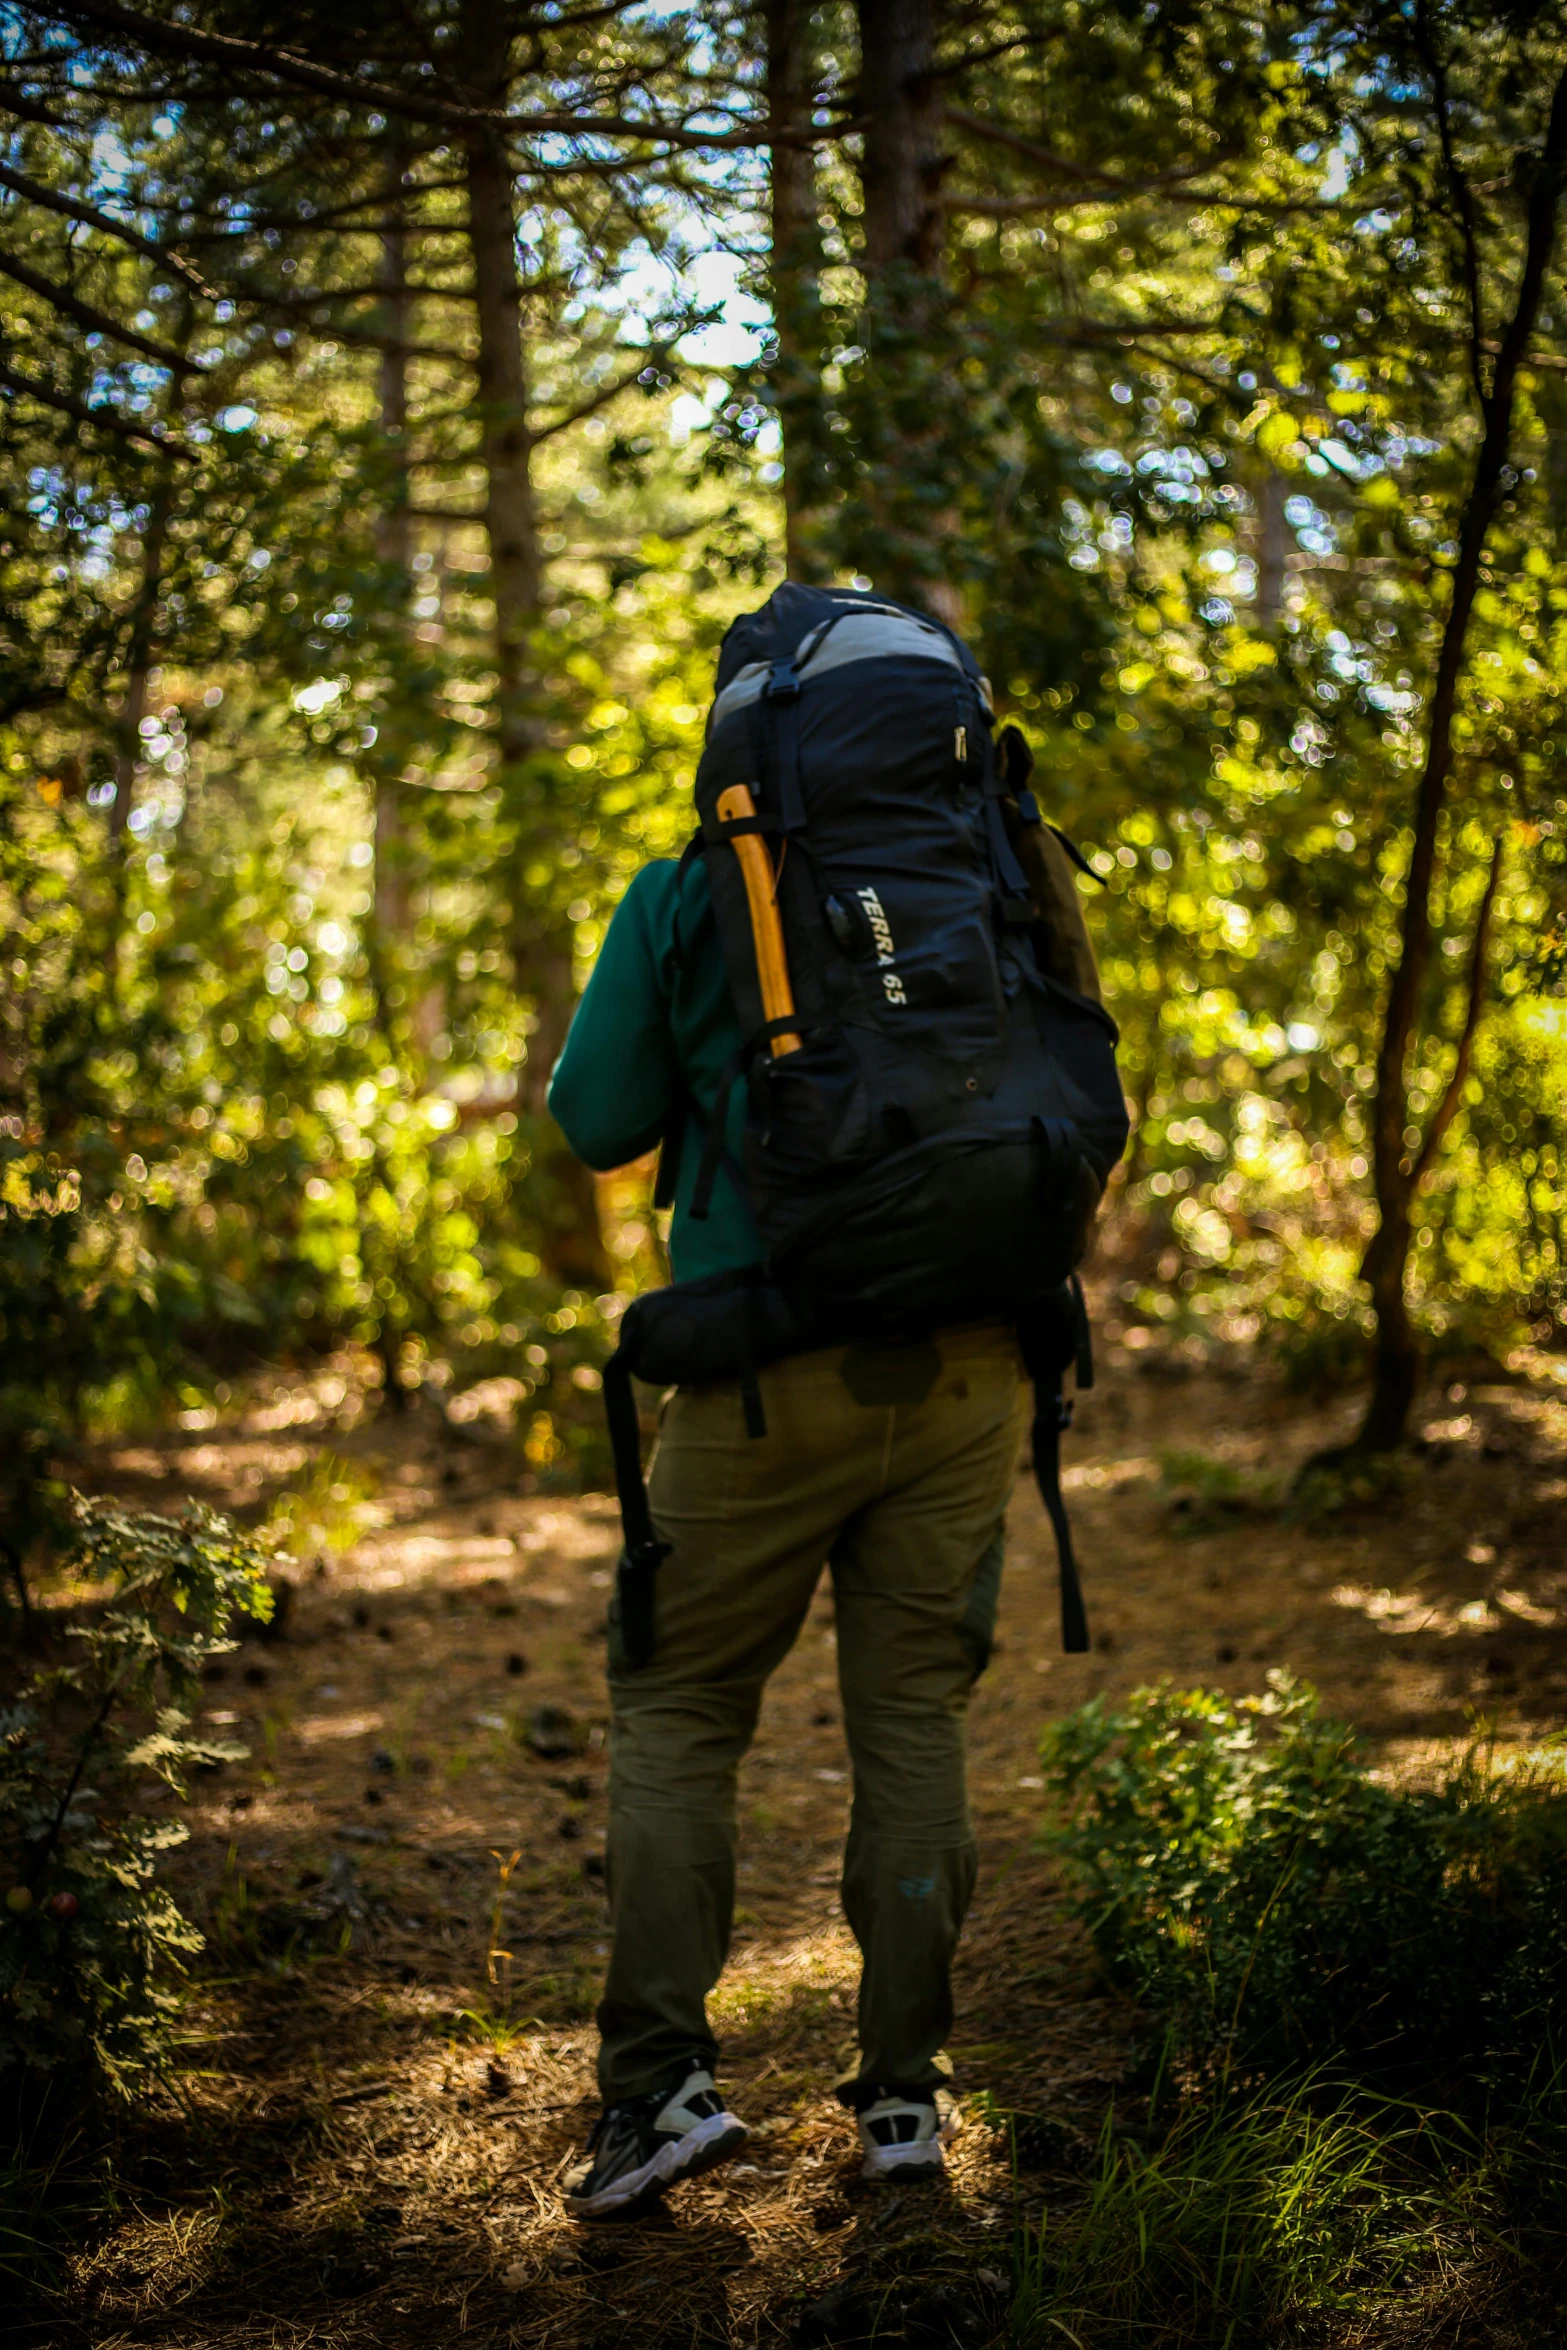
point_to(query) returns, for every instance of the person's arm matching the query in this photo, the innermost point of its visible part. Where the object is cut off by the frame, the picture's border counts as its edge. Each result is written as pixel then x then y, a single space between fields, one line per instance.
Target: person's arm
pixel 614 1085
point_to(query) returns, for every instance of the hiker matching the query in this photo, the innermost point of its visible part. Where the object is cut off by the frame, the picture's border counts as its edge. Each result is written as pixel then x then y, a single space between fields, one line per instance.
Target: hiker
pixel 885 1091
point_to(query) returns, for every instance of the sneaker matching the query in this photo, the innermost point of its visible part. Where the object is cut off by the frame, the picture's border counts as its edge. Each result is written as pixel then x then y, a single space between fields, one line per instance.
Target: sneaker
pixel 645 2144
pixel 902 2137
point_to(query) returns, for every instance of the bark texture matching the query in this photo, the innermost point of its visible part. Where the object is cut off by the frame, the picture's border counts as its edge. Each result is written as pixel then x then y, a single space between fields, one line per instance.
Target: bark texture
pixel 511 521
pixel 565 1199
pixel 796 279
pixel 906 310
pixel 901 169
pixel 139 660
pixel 395 547
pixel 1396 1162
pixel 1273 545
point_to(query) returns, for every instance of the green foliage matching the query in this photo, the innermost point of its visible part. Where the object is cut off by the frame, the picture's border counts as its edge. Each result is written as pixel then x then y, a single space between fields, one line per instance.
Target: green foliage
pixel 1239 2219
pixel 1204 1491
pixel 1300 1936
pixel 1269 1901
pixel 325 1508
pixel 1178 425
pixel 90 1750
pixel 216 1154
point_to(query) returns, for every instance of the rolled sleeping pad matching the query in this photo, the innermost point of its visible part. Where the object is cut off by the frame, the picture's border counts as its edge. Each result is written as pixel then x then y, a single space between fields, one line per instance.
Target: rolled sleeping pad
pixel 761 891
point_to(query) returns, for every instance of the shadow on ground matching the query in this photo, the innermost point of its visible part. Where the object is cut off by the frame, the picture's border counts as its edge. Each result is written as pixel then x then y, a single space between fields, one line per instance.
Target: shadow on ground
pixel 391 2047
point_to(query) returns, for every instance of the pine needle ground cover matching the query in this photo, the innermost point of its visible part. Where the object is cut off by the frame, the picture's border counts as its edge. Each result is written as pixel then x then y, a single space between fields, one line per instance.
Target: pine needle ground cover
pixel 384 2052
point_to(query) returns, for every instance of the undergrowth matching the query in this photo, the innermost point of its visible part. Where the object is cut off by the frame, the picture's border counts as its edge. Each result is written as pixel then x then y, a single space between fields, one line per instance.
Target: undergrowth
pixel 1253 1885
pixel 1356 1997
pixel 1238 2217
pixel 91 1746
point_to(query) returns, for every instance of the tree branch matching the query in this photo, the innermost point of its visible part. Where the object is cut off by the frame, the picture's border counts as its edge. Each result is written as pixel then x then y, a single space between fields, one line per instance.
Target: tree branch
pixel 1388 1252
pixel 343 228
pixel 324 216
pixel 654 356
pixel 1447 1109
pixel 1000 135
pixel 103 418
pixel 38 1854
pixel 1003 48
pixel 1463 196
pixel 361 337
pixel 1089 331
pixel 287 65
pixel 29 110
pixel 71 208
pixel 69 305
pixel 305 297
pixel 1018 207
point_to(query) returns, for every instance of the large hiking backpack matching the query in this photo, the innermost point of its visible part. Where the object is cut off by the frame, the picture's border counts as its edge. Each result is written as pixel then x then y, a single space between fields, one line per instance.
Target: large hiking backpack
pixel 930 1127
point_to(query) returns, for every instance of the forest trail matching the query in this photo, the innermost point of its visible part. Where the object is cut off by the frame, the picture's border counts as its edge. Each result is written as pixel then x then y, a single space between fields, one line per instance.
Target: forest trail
pixel 374 2130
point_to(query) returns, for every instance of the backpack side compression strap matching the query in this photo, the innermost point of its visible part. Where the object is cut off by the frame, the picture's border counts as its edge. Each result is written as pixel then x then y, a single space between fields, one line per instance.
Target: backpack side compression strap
pixel 643 1552
pixel 1052 1413
pixel 1050 1342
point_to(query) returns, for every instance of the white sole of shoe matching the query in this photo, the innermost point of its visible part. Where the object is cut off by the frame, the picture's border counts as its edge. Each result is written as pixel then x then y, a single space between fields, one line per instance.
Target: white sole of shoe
pixel 715 2140
pixel 897 2162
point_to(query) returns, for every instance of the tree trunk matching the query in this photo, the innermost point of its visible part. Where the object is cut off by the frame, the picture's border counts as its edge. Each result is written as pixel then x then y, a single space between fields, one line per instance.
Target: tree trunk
pixel 139 655
pixel 795 273
pixel 511 523
pixel 901 166
pixel 571 1246
pixel 394 543
pixel 1273 544
pixel 1395 1162
pixel 143 642
pixel 901 169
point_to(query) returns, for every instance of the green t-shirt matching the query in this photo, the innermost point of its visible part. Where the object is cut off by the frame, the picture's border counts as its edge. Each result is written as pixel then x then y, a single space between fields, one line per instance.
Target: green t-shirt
pixel 655 1021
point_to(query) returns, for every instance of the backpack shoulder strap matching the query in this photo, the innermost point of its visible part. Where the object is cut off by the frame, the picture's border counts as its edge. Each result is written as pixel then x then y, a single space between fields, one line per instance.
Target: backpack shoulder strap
pixel 781 718
pixel 1070 954
pixel 1065 952
pixel 680 1108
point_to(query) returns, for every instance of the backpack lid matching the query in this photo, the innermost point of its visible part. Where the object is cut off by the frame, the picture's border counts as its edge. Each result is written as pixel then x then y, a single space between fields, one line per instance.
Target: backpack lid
pixel 792 614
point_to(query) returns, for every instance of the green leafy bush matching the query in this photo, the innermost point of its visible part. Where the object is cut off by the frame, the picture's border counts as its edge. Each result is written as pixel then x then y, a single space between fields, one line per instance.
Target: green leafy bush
pixel 89 1751
pixel 1266 1898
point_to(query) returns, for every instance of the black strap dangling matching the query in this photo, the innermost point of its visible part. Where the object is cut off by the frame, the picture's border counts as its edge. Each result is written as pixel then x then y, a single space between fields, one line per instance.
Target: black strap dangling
pixel 643 1553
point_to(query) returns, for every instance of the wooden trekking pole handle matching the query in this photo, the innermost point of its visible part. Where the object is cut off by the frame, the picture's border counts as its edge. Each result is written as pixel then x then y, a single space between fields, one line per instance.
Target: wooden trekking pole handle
pixel 756 868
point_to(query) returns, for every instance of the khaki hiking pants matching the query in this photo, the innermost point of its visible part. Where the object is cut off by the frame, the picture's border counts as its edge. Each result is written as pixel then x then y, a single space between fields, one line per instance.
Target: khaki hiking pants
pixel 893 1466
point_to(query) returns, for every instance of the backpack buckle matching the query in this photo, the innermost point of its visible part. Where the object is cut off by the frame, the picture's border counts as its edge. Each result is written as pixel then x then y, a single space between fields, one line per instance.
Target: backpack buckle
pixel 783 682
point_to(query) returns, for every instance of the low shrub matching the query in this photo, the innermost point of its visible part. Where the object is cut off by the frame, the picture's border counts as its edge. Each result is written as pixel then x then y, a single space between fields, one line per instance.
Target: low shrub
pixel 1241 2220
pixel 1358 2116
pixel 91 1747
pixel 1267 1899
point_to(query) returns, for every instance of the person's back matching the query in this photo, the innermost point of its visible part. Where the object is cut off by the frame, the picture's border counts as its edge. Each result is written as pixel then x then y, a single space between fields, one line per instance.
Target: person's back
pixel 886 1086
pixel 892 1464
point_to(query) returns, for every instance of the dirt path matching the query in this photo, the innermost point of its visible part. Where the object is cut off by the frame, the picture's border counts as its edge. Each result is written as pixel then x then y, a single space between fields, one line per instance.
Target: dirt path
pixel 380 2106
